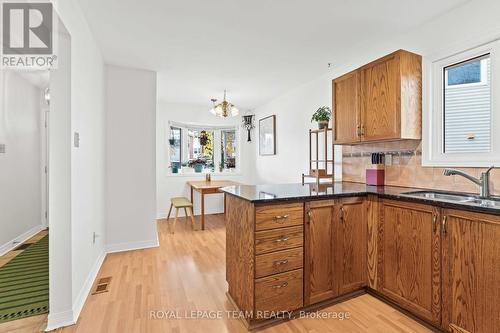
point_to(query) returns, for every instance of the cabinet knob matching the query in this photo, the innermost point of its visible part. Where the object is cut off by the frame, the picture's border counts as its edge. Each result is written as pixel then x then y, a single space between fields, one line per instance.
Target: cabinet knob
pixel 434 223
pixel 342 215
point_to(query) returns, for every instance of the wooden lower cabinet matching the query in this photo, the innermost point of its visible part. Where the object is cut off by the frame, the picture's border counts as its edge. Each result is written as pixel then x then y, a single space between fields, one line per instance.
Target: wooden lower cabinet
pixel 350 232
pixel 409 271
pixel 319 251
pixel 335 248
pixel 441 265
pixel 471 272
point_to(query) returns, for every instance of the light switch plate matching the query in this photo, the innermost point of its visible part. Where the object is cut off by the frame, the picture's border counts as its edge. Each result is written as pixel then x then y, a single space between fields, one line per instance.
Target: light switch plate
pixel 76 140
pixel 2 148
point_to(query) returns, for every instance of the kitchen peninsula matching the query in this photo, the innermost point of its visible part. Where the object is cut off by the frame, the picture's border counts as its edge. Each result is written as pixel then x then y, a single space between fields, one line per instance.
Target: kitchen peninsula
pixel 433 254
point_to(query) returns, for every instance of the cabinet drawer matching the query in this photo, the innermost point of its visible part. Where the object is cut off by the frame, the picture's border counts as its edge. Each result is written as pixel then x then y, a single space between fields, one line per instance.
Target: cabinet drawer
pixel 280 292
pixel 279 262
pixel 279 216
pixel 278 239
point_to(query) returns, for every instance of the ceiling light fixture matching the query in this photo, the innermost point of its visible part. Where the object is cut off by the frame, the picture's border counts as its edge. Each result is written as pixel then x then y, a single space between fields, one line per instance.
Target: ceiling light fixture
pixel 224 109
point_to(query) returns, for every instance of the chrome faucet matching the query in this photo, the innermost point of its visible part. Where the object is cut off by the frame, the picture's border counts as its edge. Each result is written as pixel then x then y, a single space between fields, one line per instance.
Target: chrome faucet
pixel 483 181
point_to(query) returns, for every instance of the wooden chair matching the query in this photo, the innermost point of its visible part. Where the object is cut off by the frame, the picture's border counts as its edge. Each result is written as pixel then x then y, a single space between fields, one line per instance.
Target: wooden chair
pixel 180 202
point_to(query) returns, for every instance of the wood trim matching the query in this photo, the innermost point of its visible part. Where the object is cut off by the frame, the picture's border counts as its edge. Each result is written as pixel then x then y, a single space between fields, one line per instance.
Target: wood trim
pixel 240 249
pixel 372 246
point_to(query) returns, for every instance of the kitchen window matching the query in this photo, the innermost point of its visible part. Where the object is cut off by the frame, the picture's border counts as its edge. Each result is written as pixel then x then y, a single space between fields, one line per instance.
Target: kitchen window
pixel 462 124
pixel 203 148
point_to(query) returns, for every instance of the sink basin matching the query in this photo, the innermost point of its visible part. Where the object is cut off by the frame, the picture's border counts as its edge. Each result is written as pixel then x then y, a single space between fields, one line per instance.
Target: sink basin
pixel 440 196
pixel 455 197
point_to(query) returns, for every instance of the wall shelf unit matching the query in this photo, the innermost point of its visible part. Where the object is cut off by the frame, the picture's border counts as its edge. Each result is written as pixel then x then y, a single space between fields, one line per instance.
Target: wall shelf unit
pixel 320 168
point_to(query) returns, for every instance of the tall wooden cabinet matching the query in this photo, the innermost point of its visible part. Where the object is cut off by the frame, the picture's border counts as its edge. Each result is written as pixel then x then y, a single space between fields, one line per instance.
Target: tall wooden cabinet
pixel 380 101
pixel 410 257
pixel 471 272
pixel 335 248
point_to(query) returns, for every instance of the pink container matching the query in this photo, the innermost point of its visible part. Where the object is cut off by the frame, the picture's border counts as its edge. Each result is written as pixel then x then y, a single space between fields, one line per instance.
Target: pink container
pixel 375 177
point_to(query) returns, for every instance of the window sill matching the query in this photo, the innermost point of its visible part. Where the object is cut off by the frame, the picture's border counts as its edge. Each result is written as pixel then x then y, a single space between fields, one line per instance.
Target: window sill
pixel 202 174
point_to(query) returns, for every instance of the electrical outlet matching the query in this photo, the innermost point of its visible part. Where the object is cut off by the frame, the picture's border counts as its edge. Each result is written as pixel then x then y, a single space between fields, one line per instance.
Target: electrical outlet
pixel 388 159
pixel 2 148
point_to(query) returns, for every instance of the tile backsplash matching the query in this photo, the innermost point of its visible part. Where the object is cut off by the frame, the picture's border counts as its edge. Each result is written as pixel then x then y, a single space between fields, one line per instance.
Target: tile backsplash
pixel 406 169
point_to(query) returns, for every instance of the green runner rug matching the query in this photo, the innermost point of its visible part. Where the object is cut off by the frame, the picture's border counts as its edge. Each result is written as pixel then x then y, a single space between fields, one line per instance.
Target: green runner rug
pixel 24 283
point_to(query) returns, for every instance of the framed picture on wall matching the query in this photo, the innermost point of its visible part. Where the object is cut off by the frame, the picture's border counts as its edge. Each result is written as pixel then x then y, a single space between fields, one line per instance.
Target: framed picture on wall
pixel 267 136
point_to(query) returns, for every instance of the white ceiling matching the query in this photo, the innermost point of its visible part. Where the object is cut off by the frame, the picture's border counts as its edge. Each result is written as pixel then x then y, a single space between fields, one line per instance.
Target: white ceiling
pixel 256 49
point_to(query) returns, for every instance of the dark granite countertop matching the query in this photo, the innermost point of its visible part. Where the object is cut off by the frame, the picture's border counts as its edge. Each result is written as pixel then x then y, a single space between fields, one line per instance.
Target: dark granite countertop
pixel 298 192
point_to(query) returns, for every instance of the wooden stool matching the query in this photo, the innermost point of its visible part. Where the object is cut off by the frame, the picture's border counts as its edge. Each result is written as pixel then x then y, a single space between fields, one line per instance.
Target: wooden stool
pixel 180 202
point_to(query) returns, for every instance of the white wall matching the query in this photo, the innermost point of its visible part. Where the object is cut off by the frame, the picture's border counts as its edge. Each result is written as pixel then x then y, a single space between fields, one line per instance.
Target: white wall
pixel 73 254
pixel 130 158
pixel 175 185
pixel 293 112
pixel 20 176
pixel 473 23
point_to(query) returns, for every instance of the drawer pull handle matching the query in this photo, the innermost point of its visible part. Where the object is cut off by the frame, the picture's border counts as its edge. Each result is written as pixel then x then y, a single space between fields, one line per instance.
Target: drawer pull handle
pixel 281 218
pixel 281 285
pixel 445 229
pixel 434 223
pixel 280 262
pixel 282 239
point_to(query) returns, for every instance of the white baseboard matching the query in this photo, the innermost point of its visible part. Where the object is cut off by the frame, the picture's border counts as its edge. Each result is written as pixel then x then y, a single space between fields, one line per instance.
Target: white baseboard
pixel 70 317
pixel 87 286
pixel 60 319
pixel 120 247
pixel 10 245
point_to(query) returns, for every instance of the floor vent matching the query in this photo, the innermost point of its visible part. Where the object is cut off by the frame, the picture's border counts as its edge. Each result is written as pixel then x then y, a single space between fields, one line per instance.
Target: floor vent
pixel 102 285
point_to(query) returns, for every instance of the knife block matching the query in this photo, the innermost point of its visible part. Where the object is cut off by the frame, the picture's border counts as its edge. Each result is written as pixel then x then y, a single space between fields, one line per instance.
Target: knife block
pixel 375 177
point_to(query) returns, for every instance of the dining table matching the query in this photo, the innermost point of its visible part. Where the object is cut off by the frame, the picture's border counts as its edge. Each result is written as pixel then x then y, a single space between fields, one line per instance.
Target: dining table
pixel 205 187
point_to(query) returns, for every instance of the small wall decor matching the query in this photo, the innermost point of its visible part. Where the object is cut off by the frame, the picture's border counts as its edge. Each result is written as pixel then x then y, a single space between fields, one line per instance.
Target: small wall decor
pixel 267 136
pixel 248 124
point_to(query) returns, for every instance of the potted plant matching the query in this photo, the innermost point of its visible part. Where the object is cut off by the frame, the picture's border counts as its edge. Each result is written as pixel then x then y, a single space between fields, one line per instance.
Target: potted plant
pixel 175 167
pixel 322 116
pixel 204 138
pixel 171 141
pixel 197 164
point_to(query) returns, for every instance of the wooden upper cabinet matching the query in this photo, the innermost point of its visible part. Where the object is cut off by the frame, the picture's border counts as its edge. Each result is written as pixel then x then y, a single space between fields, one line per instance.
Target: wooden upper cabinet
pixel 319 284
pixel 409 269
pixel 346 93
pixel 471 272
pixel 380 101
pixel 350 270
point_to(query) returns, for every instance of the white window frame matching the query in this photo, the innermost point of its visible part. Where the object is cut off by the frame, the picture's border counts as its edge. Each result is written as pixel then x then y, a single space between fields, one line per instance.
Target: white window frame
pixel 433 125
pixel 217 148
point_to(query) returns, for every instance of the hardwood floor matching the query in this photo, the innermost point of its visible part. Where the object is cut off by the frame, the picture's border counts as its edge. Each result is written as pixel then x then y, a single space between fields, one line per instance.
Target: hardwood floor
pixel 187 272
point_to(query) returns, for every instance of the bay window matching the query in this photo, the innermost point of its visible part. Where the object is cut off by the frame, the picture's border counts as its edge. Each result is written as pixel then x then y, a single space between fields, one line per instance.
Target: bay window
pixel 203 148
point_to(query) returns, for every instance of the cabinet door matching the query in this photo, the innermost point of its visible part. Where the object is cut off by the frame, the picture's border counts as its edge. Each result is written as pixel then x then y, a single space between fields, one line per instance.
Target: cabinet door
pixel 410 258
pixel 346 93
pixel 380 95
pixel 350 270
pixel 471 272
pixel 319 252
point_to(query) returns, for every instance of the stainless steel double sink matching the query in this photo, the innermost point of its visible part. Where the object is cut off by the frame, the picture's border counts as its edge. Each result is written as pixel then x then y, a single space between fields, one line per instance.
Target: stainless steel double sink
pixel 455 198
